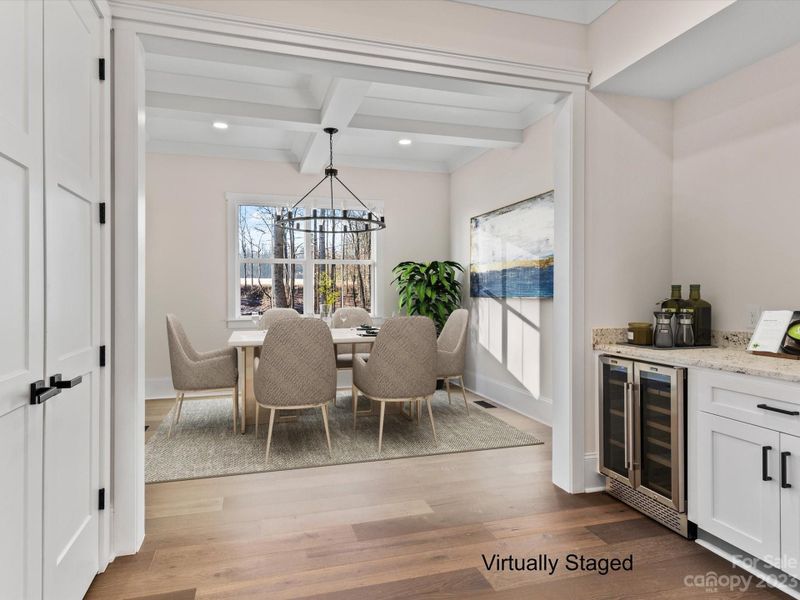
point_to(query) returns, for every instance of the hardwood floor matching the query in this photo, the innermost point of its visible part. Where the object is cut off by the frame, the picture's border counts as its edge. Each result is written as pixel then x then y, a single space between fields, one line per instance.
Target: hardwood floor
pixel 406 528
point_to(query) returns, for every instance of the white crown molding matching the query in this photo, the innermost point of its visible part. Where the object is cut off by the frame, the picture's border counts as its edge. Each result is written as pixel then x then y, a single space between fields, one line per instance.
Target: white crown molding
pixel 311 42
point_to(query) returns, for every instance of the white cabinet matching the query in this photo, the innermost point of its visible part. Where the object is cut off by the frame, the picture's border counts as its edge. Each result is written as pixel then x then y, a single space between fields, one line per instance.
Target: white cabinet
pixel 739 495
pixel 747 476
pixel 790 504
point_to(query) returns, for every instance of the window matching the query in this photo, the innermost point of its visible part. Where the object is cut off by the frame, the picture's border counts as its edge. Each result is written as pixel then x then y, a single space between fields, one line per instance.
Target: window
pixel 278 267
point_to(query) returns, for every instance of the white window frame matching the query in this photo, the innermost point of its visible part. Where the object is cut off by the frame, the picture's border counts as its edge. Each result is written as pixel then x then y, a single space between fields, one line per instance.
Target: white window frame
pixel 234 200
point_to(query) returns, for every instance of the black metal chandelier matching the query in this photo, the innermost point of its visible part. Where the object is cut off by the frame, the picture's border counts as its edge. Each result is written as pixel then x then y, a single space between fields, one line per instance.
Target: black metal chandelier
pixel 331 220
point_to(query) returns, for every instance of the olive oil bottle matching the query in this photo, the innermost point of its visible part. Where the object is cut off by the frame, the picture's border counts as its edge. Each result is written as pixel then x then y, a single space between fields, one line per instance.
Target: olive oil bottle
pixel 702 316
pixel 674 303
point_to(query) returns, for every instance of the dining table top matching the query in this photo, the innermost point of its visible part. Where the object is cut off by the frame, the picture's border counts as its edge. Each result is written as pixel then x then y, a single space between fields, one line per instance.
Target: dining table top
pixel 244 338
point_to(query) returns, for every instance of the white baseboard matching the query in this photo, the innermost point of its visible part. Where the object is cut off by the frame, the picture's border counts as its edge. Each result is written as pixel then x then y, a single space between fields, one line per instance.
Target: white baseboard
pixel 158 387
pixel 512 397
pixel 593 481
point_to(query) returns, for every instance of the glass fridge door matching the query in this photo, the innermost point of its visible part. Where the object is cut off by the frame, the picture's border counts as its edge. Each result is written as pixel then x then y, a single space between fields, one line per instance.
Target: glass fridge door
pixel 659 415
pixel 616 418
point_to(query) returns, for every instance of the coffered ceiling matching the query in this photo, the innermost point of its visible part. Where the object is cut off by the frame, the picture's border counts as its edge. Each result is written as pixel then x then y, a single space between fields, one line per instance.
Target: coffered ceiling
pixel 275 108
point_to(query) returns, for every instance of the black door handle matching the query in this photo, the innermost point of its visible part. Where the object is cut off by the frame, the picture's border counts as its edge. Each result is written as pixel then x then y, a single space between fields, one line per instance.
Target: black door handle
pixel 41 393
pixel 64 384
pixel 784 456
pixel 792 413
pixel 764 466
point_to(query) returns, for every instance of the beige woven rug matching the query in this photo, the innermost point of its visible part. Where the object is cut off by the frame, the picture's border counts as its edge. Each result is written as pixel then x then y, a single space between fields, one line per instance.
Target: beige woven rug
pixel 203 444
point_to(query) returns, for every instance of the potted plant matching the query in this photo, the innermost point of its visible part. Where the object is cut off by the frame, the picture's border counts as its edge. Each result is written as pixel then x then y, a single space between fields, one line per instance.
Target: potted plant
pixel 430 289
pixel 328 295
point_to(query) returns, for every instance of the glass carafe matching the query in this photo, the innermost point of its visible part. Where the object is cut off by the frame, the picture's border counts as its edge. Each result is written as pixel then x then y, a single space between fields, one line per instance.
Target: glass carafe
pixel 662 336
pixel 685 335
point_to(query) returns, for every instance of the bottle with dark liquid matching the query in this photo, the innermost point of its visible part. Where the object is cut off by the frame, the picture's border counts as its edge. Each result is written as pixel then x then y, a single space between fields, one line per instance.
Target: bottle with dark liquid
pixel 702 316
pixel 674 303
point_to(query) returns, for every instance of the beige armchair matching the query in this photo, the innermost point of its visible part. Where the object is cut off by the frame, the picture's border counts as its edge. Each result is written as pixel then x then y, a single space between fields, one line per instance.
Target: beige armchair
pixel 199 371
pixel 452 350
pixel 344 318
pixel 298 371
pixel 270 316
pixel 401 367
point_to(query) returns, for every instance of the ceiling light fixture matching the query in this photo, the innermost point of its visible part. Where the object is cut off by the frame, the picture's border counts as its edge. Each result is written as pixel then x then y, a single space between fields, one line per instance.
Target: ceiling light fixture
pixel 330 220
pixel 404 142
pixel 220 125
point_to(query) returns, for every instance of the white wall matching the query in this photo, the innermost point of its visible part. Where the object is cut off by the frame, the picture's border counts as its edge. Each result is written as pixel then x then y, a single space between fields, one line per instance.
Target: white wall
pixel 632 29
pixel 628 217
pixel 439 24
pixel 187 236
pixel 737 189
pixel 510 349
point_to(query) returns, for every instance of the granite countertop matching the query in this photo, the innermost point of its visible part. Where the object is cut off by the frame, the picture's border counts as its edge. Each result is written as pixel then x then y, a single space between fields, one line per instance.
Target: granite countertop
pixel 728 354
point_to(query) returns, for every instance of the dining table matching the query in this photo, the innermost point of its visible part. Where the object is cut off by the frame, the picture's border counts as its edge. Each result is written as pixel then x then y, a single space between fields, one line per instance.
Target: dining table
pixel 247 340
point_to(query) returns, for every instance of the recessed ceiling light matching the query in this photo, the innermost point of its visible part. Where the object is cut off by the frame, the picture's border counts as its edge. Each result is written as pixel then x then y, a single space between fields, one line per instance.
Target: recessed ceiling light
pixel 220 125
pixel 404 142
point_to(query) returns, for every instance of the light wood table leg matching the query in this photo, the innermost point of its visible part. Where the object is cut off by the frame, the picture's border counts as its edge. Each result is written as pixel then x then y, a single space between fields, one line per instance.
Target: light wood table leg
pixel 249 394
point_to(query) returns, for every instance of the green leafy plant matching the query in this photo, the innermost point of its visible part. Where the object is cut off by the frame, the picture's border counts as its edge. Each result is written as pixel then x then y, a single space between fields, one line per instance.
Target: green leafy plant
pixel 327 289
pixel 430 289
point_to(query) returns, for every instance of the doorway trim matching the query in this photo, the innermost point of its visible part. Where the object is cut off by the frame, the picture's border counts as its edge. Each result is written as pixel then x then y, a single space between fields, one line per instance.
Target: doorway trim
pixel 132 19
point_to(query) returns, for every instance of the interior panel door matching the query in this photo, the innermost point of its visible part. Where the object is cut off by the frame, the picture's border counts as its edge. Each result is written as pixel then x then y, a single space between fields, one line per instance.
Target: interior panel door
pixel 21 301
pixel 72 45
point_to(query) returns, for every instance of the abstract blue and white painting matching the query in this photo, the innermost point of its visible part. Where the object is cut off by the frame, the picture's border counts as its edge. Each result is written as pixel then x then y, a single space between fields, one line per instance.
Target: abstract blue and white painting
pixel 511 250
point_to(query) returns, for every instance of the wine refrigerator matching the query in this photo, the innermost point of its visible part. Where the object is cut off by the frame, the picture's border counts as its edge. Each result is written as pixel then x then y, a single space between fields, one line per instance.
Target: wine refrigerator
pixel 642 437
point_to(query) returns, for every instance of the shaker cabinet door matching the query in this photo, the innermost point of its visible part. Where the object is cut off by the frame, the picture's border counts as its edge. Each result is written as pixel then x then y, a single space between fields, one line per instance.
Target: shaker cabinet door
pixel 738 479
pixel 790 504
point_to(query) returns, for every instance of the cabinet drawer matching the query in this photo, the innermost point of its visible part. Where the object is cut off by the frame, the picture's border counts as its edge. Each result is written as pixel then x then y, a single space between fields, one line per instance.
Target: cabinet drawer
pixel 763 402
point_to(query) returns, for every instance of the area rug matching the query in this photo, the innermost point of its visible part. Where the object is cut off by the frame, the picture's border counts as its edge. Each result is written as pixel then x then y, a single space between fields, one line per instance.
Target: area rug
pixel 204 445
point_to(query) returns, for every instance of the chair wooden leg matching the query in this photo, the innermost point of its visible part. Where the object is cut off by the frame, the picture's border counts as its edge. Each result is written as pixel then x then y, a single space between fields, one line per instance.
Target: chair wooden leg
pixel 380 427
pixel 355 406
pixel 269 433
pixel 257 407
pixel 463 392
pixel 178 398
pixel 447 387
pixel 430 414
pixel 324 408
pixel 235 408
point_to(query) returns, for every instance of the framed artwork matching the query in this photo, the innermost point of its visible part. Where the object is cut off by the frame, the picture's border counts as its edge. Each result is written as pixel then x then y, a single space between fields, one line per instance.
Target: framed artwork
pixel 511 250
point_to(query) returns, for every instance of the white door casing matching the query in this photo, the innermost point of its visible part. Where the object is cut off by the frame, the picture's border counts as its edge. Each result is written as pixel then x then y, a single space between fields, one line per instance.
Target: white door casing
pixel 72 45
pixel 21 303
pixel 735 503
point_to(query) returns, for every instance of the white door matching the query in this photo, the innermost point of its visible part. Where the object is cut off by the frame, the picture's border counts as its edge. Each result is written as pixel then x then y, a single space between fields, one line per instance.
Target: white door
pixel 739 484
pixel 790 504
pixel 72 44
pixel 21 305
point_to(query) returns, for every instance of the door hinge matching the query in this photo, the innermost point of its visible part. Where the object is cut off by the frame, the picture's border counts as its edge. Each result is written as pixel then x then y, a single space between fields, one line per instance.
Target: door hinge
pixel 102 213
pixel 102 356
pixel 101 499
pixel 101 68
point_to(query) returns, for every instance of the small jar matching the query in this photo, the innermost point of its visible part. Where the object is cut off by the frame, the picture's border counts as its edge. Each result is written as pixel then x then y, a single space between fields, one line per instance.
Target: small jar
pixel 640 333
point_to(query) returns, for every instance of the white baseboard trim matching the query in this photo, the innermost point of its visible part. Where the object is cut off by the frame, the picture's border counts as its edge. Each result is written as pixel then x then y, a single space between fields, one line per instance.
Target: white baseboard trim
pixel 158 387
pixel 593 481
pixel 511 397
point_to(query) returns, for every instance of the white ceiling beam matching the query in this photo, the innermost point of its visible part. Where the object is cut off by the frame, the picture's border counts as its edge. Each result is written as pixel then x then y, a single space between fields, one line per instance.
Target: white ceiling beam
pixel 342 100
pixel 437 133
pixel 234 111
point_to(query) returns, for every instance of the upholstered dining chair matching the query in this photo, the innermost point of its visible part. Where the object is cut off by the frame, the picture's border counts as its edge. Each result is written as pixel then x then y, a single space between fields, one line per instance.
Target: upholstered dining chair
pixel 199 371
pixel 297 371
pixel 270 316
pixel 401 367
pixel 343 318
pixel 452 350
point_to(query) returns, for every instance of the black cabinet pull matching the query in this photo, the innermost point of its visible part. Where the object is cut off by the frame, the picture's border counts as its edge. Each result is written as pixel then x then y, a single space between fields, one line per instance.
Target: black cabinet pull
pixel 41 393
pixel 784 456
pixel 64 384
pixel 793 413
pixel 764 466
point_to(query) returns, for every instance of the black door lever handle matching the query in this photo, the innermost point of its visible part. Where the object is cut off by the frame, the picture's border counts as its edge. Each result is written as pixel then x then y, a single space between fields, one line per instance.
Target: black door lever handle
pixel 64 384
pixel 41 393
